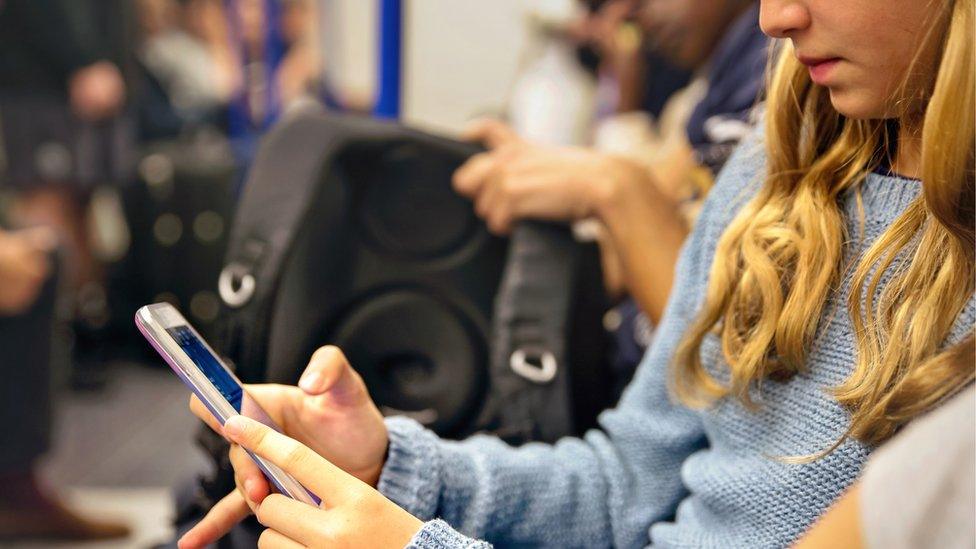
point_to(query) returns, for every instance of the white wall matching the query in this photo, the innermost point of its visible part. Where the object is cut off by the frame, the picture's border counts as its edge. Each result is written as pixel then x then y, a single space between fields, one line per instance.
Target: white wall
pixel 460 56
pixel 461 59
pixel 349 43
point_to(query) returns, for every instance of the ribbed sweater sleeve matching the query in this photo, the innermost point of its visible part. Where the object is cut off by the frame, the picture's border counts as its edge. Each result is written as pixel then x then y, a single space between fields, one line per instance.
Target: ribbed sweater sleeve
pixel 437 534
pixel 604 489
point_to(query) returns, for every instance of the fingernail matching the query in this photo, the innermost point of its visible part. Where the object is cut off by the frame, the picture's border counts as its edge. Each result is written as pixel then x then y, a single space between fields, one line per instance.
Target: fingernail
pixel 234 427
pixel 310 382
pixel 249 488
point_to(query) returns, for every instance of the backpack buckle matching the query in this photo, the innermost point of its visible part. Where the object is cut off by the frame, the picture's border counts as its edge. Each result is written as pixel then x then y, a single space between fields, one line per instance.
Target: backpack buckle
pixel 534 364
pixel 236 285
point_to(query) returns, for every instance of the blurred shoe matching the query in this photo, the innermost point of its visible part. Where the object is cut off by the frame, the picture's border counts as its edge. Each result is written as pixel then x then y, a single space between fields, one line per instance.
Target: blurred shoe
pixel 27 513
pixel 56 522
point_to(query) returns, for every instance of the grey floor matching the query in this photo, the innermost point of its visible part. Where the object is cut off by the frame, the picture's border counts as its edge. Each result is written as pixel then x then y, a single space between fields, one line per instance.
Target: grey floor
pixel 118 453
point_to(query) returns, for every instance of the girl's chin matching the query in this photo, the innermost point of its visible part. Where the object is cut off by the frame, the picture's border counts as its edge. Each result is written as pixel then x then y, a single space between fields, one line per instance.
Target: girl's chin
pixel 856 104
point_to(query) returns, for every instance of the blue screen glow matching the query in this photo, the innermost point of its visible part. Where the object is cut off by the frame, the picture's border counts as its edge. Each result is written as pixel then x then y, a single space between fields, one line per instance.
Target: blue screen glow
pixel 209 365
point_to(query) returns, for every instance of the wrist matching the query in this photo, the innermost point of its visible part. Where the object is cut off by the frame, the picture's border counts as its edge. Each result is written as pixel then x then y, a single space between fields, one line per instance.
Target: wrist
pixel 372 476
pixel 618 180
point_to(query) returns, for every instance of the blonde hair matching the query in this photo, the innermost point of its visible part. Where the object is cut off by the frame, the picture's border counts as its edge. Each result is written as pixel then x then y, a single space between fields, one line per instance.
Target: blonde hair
pixel 779 260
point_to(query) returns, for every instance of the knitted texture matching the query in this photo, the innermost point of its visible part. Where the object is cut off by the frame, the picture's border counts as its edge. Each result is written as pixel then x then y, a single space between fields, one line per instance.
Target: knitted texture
pixel 656 473
pixel 437 533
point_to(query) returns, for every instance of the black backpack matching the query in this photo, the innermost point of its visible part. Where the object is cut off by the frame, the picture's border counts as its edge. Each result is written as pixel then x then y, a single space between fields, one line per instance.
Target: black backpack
pixel 349 233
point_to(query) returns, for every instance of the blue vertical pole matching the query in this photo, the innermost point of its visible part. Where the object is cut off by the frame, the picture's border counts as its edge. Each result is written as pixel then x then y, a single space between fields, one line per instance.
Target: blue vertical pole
pixel 391 59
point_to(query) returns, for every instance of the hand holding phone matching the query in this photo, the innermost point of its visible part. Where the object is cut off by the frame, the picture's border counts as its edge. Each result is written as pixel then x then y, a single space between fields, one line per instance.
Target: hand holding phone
pixel 331 413
pixel 212 382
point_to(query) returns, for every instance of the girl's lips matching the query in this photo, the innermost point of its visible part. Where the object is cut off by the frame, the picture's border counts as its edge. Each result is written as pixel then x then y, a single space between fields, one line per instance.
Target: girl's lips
pixel 820 67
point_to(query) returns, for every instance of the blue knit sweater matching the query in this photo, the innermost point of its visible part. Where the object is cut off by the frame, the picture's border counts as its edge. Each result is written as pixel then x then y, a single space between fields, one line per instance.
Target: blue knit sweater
pixel 657 473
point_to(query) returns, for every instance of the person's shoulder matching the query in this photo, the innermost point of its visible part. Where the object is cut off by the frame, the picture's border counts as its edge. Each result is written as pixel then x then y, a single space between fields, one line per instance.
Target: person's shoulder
pixel 740 180
pixel 736 184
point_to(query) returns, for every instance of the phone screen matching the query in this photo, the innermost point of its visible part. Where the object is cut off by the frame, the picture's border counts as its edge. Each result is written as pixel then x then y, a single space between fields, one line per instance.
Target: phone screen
pixel 207 362
pixel 219 377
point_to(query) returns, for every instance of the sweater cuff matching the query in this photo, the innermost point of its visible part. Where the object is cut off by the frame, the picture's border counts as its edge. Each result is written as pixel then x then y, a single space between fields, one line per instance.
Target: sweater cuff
pixel 436 534
pixel 411 475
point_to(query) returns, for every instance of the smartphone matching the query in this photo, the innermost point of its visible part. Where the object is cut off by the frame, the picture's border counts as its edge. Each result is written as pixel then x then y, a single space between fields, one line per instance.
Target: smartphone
pixel 212 381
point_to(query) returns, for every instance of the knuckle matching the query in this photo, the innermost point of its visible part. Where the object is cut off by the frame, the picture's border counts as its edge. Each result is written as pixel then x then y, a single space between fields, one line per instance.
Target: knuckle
pixel 342 533
pixel 296 457
pixel 276 501
pixel 268 509
pixel 364 502
pixel 324 531
pixel 258 437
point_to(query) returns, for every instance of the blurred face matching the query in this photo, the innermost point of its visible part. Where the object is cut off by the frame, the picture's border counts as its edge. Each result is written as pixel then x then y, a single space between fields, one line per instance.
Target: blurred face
pixel 686 31
pixel 860 50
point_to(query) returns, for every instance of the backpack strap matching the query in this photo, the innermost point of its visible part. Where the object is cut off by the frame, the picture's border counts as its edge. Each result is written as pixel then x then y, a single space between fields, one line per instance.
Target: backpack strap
pixel 530 397
pixel 267 219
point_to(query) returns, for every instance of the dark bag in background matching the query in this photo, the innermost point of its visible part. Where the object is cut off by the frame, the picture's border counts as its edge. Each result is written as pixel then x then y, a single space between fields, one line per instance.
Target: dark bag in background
pixel 349 233
pixel 179 213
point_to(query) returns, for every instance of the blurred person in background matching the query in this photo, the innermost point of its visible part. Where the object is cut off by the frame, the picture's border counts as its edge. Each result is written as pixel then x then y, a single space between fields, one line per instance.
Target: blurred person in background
pixel 274 45
pixel 237 64
pixel 60 84
pixel 301 68
pixel 186 59
pixel 644 186
pixel 28 292
pixel 62 95
pixel 633 74
pixel 594 55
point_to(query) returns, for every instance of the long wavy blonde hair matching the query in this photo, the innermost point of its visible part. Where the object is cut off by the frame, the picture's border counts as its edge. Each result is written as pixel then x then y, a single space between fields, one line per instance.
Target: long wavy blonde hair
pixel 779 260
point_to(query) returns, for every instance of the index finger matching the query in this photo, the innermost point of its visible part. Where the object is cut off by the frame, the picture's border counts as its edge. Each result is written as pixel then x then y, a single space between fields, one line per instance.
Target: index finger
pixel 490 131
pixel 471 176
pixel 227 512
pixel 312 470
